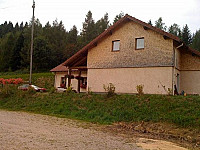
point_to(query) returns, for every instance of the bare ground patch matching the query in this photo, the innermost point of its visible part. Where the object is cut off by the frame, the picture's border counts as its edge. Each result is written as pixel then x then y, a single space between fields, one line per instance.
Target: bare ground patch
pixel 20 131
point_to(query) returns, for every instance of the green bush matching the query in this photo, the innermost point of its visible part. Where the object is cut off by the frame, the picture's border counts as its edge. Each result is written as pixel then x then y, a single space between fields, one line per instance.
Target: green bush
pixel 109 89
pixel 139 89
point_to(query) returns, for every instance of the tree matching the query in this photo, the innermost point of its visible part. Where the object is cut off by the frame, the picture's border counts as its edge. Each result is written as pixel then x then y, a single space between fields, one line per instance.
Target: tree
pixel 175 29
pixel 186 36
pixel 72 39
pixel 102 24
pixel 7 45
pixel 150 22
pixel 196 40
pixel 89 31
pixel 17 27
pixel 159 24
pixel 118 17
pixel 21 26
pixel 15 61
pixel 41 53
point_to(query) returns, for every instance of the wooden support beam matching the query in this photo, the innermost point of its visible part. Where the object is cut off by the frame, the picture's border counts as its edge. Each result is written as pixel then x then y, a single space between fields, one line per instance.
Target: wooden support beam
pixel 165 37
pixel 69 77
pixel 80 62
pixel 145 28
pixel 79 82
pixel 95 44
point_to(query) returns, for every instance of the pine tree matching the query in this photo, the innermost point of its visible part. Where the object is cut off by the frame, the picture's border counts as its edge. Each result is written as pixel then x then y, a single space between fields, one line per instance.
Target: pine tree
pixel 102 24
pixel 72 40
pixel 150 22
pixel 175 29
pixel 196 40
pixel 89 31
pixel 159 24
pixel 118 17
pixel 15 62
pixel 186 36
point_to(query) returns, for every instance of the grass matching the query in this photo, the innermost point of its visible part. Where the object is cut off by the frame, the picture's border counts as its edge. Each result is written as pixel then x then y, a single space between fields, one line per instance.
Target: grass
pixel 179 110
pixel 45 80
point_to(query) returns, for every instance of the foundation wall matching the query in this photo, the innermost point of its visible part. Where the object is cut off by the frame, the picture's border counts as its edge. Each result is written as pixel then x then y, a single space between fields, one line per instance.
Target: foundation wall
pixel 190 82
pixel 156 80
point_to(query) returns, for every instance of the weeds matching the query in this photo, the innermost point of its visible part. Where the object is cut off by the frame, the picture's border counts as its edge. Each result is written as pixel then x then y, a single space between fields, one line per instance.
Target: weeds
pixel 109 89
pixel 139 89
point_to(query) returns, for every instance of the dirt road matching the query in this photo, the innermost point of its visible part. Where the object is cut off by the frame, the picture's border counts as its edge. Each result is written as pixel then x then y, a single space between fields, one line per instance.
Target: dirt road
pixel 22 131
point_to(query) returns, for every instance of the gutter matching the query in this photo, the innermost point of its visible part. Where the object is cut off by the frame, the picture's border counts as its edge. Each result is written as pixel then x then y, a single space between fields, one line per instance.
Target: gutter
pixel 174 69
pixel 179 46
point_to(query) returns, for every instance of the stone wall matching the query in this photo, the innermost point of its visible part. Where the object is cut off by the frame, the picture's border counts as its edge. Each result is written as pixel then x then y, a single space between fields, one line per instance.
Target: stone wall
pixel 157 52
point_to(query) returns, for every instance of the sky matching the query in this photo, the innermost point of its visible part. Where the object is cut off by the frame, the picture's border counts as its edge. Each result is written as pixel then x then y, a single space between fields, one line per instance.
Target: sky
pixel 73 12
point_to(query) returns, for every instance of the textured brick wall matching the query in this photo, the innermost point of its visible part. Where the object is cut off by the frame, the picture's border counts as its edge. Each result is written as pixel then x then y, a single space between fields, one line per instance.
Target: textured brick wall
pixel 157 51
pixel 189 62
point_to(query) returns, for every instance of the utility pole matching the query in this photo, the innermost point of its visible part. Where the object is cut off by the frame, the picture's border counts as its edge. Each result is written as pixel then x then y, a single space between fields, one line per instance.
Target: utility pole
pixel 31 52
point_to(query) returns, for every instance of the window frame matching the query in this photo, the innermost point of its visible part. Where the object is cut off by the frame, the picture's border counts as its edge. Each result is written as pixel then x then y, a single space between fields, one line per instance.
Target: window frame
pixel 113 45
pixel 136 43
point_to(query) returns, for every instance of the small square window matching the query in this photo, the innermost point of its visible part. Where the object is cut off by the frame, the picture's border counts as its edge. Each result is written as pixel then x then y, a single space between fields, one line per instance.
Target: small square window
pixel 115 45
pixel 139 43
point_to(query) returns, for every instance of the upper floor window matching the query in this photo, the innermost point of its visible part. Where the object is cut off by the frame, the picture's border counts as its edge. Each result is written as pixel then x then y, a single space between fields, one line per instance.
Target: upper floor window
pixel 116 45
pixel 139 43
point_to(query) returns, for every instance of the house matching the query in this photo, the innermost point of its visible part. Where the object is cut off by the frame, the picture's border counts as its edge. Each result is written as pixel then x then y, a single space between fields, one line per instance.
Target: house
pixel 131 53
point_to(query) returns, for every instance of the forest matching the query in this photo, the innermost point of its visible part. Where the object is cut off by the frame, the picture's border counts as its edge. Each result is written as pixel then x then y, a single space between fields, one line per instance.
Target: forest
pixel 53 44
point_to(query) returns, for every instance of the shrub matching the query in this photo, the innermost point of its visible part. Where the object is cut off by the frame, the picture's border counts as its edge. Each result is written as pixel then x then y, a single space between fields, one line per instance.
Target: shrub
pixel 109 89
pixel 169 91
pixel 69 90
pixel 140 89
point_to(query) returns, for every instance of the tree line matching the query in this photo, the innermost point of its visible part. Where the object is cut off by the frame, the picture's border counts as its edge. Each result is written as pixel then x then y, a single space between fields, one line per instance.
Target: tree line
pixel 53 44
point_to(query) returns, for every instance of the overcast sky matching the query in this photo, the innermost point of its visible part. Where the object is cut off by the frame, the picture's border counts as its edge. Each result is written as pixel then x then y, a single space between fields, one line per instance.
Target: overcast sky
pixel 73 12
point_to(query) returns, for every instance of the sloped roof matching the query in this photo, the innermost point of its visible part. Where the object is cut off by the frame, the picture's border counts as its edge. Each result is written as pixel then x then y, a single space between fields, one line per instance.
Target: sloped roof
pixel 126 18
pixel 59 68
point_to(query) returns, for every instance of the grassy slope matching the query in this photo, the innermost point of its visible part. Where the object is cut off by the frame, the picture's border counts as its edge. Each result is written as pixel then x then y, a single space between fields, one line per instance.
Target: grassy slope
pixel 182 111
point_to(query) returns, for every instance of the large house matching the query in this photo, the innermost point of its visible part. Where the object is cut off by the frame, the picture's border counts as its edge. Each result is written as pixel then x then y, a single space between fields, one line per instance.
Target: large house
pixel 131 53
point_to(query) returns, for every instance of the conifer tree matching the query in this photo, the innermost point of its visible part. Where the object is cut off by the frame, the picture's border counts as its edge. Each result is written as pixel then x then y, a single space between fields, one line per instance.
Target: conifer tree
pixel 118 17
pixel 196 40
pixel 186 36
pixel 159 24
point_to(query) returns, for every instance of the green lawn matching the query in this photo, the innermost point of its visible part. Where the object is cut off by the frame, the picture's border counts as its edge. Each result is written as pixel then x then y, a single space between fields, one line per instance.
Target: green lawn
pixel 179 110
pixel 45 80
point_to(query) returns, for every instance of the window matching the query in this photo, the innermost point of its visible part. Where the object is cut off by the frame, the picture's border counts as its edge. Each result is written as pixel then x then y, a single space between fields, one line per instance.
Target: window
pixel 115 45
pixel 63 82
pixel 139 43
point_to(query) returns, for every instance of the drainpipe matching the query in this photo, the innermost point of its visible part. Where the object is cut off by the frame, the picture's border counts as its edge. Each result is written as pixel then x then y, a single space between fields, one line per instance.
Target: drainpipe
pixel 174 68
pixel 179 46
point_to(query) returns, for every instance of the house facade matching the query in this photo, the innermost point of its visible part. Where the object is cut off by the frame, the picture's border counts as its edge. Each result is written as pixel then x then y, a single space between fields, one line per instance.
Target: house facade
pixel 132 53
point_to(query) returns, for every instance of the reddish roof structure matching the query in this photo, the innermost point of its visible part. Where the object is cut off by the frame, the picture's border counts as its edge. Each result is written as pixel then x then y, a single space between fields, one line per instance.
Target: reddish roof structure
pixel 126 18
pixel 59 68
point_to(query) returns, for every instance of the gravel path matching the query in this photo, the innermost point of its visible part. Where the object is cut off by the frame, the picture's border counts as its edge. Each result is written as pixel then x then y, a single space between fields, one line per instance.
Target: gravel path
pixel 24 131
pixel 20 131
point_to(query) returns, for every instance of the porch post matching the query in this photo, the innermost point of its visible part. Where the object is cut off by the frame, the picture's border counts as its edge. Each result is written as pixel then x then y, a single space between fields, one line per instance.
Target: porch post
pixel 69 77
pixel 79 88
